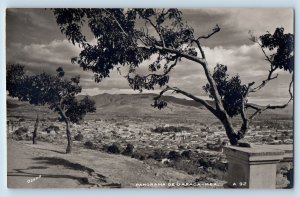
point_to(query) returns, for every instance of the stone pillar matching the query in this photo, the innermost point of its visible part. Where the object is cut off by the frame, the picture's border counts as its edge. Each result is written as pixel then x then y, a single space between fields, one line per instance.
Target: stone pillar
pixel 253 167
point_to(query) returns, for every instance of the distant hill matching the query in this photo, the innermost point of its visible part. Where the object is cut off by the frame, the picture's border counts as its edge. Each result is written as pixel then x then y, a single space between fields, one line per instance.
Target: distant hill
pixel 135 104
pixel 141 103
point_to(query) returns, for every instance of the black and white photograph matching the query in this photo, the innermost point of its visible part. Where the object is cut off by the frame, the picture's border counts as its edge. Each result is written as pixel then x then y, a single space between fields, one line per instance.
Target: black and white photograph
pixel 150 98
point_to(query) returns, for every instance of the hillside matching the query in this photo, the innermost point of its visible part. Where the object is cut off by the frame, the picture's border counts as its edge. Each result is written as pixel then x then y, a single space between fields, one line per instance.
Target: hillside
pixel 135 104
pixel 46 165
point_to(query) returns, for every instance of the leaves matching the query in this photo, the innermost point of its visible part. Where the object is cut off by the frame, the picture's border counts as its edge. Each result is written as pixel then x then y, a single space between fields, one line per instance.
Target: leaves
pixel 283 45
pixel 45 89
pixel 231 90
pixel 123 37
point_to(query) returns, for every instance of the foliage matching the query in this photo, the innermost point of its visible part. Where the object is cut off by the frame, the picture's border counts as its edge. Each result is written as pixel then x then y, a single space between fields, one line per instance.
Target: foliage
pixel 114 148
pixel 128 150
pixel 78 137
pixel 21 131
pixel 52 127
pixel 89 145
pixel 283 44
pixel 186 154
pixel 231 90
pixel 174 155
pixel 158 154
pixel 44 89
pixel 121 39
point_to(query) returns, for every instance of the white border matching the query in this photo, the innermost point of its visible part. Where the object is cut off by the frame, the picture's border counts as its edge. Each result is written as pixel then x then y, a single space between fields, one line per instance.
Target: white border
pixel 140 192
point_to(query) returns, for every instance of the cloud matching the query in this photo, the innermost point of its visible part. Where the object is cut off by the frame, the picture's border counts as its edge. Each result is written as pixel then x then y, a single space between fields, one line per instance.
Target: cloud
pixel 34 39
pixel 236 22
pixel 247 61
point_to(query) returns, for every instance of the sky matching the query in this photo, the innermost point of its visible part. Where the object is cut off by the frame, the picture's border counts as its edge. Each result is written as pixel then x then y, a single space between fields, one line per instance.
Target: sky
pixel 34 40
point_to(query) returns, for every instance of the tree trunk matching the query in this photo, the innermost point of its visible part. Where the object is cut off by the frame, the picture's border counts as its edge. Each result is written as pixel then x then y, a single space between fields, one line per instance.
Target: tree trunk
pixel 67 121
pixel 231 134
pixel 69 137
pixel 34 134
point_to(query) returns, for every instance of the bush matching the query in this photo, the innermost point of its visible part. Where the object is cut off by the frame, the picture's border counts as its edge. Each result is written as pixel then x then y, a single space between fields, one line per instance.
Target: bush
pixel 138 155
pixel 142 154
pixel 114 148
pixel 78 137
pixel 204 162
pixel 128 150
pixel 158 154
pixel 186 154
pixel 173 155
pixel 89 145
pixel 52 128
pixel 21 131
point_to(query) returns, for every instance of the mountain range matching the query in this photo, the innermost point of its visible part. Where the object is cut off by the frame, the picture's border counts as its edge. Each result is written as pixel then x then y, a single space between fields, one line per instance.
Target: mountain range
pixel 140 104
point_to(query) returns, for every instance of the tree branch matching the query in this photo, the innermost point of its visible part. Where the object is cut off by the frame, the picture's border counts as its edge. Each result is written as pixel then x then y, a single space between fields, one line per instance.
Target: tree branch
pixel 259 110
pixel 157 29
pixel 180 54
pixel 200 48
pixel 197 99
pixel 271 71
pixel 264 82
pixel 214 30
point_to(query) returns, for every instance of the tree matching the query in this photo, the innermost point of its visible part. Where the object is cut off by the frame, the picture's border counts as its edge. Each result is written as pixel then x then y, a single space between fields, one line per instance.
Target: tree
pixel 36 125
pixel 58 93
pixel 130 37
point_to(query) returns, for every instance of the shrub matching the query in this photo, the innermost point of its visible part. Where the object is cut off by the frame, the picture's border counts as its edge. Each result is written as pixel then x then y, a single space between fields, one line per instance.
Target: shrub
pixel 158 154
pixel 21 131
pixel 173 155
pixel 142 154
pixel 186 154
pixel 52 128
pixel 204 162
pixel 78 137
pixel 114 148
pixel 89 145
pixel 128 150
pixel 138 155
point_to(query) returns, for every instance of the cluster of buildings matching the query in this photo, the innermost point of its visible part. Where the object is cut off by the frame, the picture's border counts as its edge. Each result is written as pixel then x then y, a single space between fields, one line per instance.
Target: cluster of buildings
pixel 199 138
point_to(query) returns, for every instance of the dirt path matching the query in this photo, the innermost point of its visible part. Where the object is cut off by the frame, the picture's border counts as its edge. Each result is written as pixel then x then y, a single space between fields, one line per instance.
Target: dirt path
pixel 46 165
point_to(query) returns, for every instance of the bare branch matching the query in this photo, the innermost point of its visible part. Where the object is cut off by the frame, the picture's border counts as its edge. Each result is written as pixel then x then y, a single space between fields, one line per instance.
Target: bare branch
pixel 259 110
pixel 264 52
pixel 271 71
pixel 264 82
pixel 214 30
pixel 197 99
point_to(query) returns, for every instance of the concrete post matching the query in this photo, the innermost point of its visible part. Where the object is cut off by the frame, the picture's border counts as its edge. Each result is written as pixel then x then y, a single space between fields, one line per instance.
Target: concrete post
pixel 253 167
